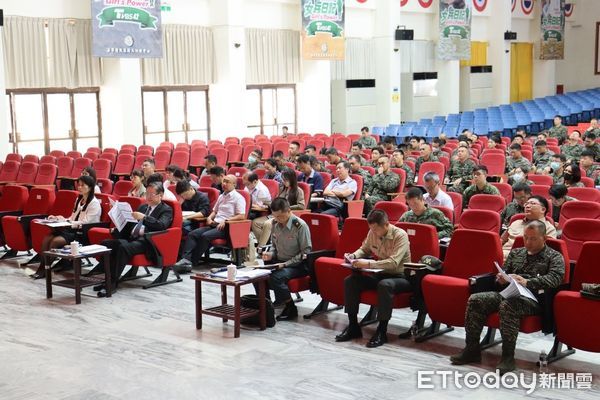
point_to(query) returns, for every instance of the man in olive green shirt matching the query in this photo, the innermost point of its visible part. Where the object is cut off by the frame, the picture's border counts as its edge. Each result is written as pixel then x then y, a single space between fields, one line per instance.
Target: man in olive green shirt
pixel 421 213
pixel 558 130
pixel 461 171
pixel 479 186
pixel 572 149
pixel 391 247
pixel 366 140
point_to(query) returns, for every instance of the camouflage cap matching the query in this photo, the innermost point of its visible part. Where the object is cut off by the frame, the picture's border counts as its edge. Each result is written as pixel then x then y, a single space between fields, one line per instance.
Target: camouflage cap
pixel 433 263
pixel 591 288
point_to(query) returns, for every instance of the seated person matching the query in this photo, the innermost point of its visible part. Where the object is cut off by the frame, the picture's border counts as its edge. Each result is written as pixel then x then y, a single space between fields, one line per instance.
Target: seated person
pixel 216 175
pixel 87 209
pixel 154 216
pixel 273 171
pixel 138 189
pixel 535 266
pixel 254 160
pixel 166 193
pixel 90 171
pixel 261 227
pixel 398 162
pixel 279 158
pixel 193 201
pixel 210 161
pixel 332 156
pixel 391 247
pixel 517 166
pixel 293 151
pixel 479 186
pixel 310 150
pixel 435 196
pixel 366 140
pixel 175 174
pixel 376 153
pixel 290 241
pixel 558 196
pixel 339 189
pixel 521 193
pixel 230 206
pixel 309 175
pixel 260 197
pixel 535 209
pixel 572 176
pixel 460 172
pixel 426 156
pixel 385 181
pixel 149 168
pixel 421 213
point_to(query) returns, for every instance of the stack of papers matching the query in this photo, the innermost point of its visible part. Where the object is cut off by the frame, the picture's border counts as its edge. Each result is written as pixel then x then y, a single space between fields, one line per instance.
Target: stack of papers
pixel 348 263
pixel 243 275
pixel 53 223
pixel 514 289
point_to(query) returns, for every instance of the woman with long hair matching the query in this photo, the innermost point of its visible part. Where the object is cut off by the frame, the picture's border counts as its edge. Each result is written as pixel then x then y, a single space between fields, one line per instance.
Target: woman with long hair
pixel 87 209
pixel 572 176
pixel 138 189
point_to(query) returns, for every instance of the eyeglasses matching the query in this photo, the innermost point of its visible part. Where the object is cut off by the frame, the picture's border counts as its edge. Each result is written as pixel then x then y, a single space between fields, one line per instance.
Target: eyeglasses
pixel 150 194
pixel 532 203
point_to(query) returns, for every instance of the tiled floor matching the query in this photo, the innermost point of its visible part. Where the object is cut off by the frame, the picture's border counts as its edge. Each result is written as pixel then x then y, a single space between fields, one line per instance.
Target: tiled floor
pixel 143 344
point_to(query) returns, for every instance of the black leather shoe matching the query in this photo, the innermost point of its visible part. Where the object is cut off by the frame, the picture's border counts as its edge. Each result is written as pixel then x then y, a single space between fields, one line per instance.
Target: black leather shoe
pixel 38 275
pixel 378 339
pixel 289 312
pixel 99 287
pixel 103 293
pixel 351 332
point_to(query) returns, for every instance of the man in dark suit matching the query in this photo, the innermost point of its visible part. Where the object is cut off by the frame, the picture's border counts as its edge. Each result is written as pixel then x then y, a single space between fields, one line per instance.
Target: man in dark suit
pixel 153 216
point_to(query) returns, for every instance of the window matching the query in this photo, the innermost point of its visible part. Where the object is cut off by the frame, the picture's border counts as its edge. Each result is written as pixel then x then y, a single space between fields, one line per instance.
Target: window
pixel 42 120
pixel 175 114
pixel 269 108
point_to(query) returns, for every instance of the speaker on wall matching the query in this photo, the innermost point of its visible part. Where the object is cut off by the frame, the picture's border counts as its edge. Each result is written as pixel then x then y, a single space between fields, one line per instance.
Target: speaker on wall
pixel 404 34
pixel 1 17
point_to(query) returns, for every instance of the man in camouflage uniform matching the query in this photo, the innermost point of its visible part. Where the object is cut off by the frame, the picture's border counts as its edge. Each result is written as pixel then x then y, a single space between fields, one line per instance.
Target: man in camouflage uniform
pixel 591 145
pixel 426 156
pixel 593 128
pixel 541 156
pixel 398 162
pixel 461 171
pixel 586 163
pixel 535 266
pixel 517 166
pixel 521 193
pixel 355 168
pixel 558 130
pixel 356 150
pixel 384 182
pixel 366 140
pixel 572 149
pixel 479 186
pixel 436 148
pixel 421 213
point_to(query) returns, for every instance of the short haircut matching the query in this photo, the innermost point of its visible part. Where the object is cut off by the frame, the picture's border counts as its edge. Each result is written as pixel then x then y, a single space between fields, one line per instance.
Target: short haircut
pixel 561 157
pixel 278 154
pixel 481 168
pixel 399 151
pixel 521 187
pixel 588 153
pixel 414 193
pixel 558 191
pixel 590 135
pixel 158 187
pixel 538 225
pixel 364 129
pixel 137 172
pixel 182 187
pixel 150 160
pixel 216 171
pixel 464 147
pixel 258 152
pixel 155 177
pixel 389 139
pixel 542 201
pixel 541 143
pixel 304 159
pixel 464 130
pixel 211 158
pixel 378 217
pixel 379 149
pixel 355 158
pixel 557 116
pixel 252 176
pixel 310 146
pixel 357 144
pixel 280 204
pixel 332 151
pixel 172 168
pixel 345 164
pixel 515 146
pixel 297 144
pixel 431 176
pixel 272 162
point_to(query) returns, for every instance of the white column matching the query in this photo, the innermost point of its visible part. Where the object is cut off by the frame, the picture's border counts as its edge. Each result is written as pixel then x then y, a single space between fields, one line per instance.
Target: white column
pixel 499 50
pixel 5 145
pixel 227 95
pixel 121 100
pixel 448 86
pixel 313 96
pixel 387 61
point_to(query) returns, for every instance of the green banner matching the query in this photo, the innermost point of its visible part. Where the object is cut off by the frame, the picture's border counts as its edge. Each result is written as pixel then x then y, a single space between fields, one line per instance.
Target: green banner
pixel 324 26
pixel 552 30
pixel 455 30
pixel 127 14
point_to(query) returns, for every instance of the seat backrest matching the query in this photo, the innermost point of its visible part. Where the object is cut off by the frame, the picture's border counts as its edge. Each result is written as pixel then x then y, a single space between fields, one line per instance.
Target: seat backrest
pixel 431 166
pixel 181 158
pixel 326 178
pixel 272 185
pixel 134 202
pixel 27 173
pixel 402 174
pixel 353 234
pixel 587 269
pixel 146 148
pixel 31 158
pixel 13 198
pixel 449 213
pixel 578 209
pixel 505 190
pixel 540 179
pixel 90 155
pixel 342 144
pixel 481 220
pixel 393 209
pixel 124 164
pixel 234 152
pixel 246 196
pixel 281 145
pixel 131 147
pixel 111 150
pixel 162 158
pixel 197 155
pixel 323 231
pixel 237 171
pixel 40 201
pixel 212 193
pixel 74 154
pixel 78 165
pixel 495 163
pixel 94 149
pixel 105 185
pixel 540 190
pixel 585 194
pixel 121 188
pixel 471 253
pixel 205 181
pixel 46 174
pixel 267 149
pixel 14 157
pixel 423 240
pixel 10 170
pixel 359 185
pixel 556 244
pixel 221 155
pixel 577 231
pixel 48 160
pixel 103 168
pixel 112 157
pixel 457 202
pixel 57 153
pixel 305 187
pixel 491 202
pixel 63 203
pixel 104 199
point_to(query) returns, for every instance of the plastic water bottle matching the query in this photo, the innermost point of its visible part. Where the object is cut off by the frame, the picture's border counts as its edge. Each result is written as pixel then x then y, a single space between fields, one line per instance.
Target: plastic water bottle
pixel 543 361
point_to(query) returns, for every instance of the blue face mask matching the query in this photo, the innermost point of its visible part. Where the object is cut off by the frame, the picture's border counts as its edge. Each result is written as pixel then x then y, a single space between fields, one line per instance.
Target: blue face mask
pixel 251 159
pixel 555 165
pixel 518 177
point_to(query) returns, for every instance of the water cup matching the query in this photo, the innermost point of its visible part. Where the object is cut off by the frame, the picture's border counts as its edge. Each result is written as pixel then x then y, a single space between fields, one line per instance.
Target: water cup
pixel 74 248
pixel 231 272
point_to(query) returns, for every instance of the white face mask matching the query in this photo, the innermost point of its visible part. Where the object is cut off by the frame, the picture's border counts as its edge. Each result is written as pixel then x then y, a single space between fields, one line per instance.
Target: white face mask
pixel 518 177
pixel 555 165
pixel 251 159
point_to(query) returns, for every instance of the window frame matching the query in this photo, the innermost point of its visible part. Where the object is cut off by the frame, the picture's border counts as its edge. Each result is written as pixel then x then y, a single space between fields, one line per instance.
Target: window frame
pixel 260 89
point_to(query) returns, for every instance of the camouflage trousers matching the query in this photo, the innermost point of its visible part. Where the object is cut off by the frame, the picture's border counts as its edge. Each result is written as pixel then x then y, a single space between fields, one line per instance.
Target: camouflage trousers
pixel 481 305
pixel 460 188
pixel 370 202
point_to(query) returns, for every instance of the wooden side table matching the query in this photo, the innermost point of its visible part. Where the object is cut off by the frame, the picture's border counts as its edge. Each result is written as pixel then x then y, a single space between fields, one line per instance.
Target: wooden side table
pixel 231 311
pixel 78 281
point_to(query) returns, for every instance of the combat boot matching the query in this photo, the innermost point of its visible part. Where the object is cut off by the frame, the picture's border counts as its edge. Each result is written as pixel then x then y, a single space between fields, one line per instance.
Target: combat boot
pixel 470 354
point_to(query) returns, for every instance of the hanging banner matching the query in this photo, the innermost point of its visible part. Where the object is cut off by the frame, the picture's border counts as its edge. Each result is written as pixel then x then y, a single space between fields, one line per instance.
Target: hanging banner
pixel 455 30
pixel 553 30
pixel 323 30
pixel 126 28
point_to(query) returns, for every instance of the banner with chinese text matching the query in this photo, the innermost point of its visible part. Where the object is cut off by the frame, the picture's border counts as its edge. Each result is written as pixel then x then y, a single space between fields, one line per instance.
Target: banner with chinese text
pixel 323 29
pixel 455 30
pixel 553 30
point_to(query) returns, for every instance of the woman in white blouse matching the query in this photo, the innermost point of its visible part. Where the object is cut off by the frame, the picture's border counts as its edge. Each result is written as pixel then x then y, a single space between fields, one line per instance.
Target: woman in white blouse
pixel 87 209
pixel 138 189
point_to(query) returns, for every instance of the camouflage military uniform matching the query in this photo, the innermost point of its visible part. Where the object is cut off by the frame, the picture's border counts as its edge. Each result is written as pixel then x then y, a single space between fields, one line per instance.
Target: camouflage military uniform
pixel 543 270
pixel 541 161
pixel 559 132
pixel 368 142
pixel 431 216
pixel 521 162
pixel 572 152
pixel 558 178
pixel 473 190
pixel 463 171
pixel 595 148
pixel 366 180
pixel 380 186
pixel 421 160
pixel 410 175
pixel 513 208
pixel 439 153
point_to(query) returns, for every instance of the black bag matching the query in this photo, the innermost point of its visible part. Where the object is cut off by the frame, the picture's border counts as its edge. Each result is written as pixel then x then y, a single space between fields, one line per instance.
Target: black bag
pixel 251 301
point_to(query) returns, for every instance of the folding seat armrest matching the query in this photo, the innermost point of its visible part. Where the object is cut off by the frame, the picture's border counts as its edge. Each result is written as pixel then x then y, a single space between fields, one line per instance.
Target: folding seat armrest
pixel 239 233
pixel 310 261
pixel 6 213
pixel 545 299
pixel 165 244
pixel 85 228
pixel 482 283
pixel 25 220
pixel 355 208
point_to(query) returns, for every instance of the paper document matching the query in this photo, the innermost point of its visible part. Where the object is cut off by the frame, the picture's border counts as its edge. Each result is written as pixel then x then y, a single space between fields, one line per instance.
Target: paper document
pixel 514 288
pixel 243 274
pixel 349 263
pixel 55 224
pixel 92 248
pixel 120 214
